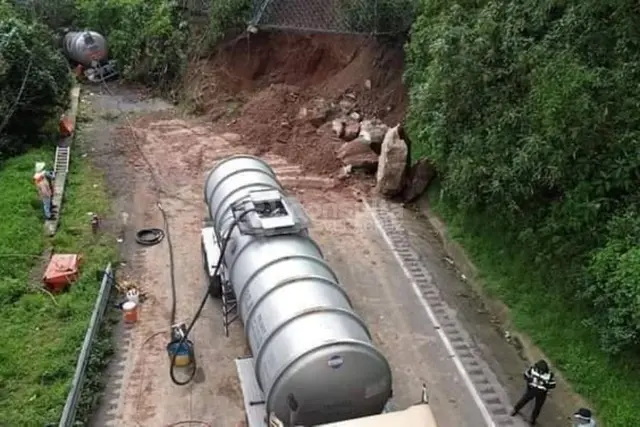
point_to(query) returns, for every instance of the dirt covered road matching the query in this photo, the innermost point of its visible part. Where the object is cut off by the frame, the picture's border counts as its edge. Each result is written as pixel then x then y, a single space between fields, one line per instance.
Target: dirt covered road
pixel 390 265
pixel 181 151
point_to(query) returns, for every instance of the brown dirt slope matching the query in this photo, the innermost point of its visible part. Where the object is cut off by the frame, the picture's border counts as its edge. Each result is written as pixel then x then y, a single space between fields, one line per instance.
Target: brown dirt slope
pixel 269 79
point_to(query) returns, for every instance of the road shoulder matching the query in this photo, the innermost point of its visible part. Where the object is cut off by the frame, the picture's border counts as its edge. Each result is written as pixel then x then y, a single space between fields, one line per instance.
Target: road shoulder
pixel 491 321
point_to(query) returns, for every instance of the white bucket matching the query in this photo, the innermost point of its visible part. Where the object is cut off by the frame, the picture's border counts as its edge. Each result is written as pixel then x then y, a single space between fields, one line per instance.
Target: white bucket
pixel 133 296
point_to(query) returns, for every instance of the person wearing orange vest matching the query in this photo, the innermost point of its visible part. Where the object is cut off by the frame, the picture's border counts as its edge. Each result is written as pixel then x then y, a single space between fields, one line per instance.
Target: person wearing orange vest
pixel 43 181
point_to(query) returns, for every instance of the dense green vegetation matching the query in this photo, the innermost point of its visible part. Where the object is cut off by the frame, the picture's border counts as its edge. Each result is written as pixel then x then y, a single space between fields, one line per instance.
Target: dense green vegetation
pixel 225 15
pixel 34 87
pixel 148 38
pixel 49 330
pixel 529 111
pixel 378 17
pixel 34 82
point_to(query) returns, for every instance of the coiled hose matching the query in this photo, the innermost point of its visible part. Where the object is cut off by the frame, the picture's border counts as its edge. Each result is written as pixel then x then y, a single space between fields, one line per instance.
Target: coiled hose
pixel 149 236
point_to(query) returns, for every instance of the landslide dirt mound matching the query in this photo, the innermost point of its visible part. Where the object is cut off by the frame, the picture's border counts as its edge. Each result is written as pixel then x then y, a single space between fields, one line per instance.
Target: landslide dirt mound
pixel 275 88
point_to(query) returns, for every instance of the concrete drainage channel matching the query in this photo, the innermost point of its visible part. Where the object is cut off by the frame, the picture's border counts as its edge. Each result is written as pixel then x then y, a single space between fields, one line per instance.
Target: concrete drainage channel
pixel 479 379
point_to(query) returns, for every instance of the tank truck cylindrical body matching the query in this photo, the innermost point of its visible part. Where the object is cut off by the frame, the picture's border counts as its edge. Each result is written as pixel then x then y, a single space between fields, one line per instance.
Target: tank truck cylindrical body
pixel 85 47
pixel 313 356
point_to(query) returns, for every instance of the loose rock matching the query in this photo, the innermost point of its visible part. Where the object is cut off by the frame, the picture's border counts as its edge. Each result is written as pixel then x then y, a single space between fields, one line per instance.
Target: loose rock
pixel 345 172
pixel 358 155
pixel 338 127
pixel 347 105
pixel 392 164
pixel 231 137
pixel 351 130
pixel 317 112
pixel 419 175
pixel 373 132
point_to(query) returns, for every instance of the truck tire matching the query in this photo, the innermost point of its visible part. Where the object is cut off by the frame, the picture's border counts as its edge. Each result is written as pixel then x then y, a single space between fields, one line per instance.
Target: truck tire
pixel 214 283
pixel 215 287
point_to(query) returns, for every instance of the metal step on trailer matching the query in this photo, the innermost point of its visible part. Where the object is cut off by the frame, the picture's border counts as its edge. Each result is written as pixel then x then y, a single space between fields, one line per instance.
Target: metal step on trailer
pixel 254 403
pixel 61 162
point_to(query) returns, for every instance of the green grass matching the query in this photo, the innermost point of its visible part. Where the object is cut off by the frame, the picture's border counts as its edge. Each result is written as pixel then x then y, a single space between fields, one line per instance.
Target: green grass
pixel 41 339
pixel 554 323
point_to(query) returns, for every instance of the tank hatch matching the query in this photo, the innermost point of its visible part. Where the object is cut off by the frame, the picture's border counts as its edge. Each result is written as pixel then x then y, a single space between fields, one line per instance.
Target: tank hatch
pixel 271 213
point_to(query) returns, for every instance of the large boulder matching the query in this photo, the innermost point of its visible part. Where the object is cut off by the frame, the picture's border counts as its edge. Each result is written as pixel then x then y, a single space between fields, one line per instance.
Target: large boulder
pixel 419 175
pixel 346 128
pixel 392 164
pixel 358 155
pixel 372 132
pixel 337 126
pixel 351 130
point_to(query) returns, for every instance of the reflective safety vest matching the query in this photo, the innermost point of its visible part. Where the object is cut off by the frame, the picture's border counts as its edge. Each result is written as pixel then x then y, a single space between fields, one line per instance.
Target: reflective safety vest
pixel 539 380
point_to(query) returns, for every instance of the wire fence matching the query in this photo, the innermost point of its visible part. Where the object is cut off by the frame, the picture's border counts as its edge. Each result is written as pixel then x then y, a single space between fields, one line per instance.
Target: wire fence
pixel 335 16
pixel 325 16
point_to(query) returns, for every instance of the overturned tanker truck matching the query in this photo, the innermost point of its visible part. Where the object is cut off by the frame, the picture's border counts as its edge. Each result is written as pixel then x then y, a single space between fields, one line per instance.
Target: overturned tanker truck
pixel 90 50
pixel 313 362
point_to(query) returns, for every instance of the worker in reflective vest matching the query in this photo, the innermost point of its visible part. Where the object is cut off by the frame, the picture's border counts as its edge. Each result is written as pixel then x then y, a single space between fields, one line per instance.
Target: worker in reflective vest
pixel 539 380
pixel 43 181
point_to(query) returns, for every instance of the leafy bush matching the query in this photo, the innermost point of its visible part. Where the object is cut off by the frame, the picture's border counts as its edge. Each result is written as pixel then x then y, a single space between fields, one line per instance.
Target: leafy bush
pixel 379 16
pixel 613 284
pixel 147 37
pixel 529 110
pixel 34 81
pixel 54 14
pixel 225 15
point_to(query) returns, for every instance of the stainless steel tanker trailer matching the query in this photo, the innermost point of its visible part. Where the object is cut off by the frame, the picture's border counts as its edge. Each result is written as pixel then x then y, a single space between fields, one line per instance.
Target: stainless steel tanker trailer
pixel 91 51
pixel 313 361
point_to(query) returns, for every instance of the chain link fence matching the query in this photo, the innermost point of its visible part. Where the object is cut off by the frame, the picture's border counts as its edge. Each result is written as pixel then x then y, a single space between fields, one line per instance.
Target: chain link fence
pixel 196 7
pixel 335 16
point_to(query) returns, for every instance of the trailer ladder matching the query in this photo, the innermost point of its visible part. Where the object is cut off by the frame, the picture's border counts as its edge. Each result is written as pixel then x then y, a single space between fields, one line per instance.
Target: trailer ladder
pixel 229 306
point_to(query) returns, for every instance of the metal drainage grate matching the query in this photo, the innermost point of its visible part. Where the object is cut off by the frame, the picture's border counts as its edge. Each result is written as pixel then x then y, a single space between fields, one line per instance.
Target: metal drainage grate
pixel 494 401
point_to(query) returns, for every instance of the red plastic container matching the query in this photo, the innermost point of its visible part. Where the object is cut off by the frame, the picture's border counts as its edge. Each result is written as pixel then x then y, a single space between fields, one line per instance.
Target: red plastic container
pixel 63 269
pixel 66 127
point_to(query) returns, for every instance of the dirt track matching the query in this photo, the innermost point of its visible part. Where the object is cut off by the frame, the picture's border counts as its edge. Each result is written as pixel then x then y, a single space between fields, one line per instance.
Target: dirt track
pixel 180 151
pixel 344 230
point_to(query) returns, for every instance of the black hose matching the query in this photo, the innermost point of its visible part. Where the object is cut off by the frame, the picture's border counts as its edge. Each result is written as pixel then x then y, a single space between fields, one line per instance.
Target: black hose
pixel 172 268
pixel 155 236
pixel 201 307
pixel 149 236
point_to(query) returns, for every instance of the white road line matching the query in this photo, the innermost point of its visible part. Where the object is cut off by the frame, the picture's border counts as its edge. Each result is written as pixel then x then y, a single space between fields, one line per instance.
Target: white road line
pixel 456 360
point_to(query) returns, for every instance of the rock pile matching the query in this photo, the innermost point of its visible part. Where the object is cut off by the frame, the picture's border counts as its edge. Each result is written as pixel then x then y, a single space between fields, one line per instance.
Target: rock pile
pixel 369 146
pixel 372 147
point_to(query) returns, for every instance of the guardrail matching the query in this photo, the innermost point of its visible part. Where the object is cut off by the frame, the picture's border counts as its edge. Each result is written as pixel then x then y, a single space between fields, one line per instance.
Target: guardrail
pixel 71 405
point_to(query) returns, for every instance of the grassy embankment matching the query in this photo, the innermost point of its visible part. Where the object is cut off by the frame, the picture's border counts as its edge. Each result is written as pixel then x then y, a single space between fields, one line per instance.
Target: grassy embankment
pixel 554 324
pixel 41 336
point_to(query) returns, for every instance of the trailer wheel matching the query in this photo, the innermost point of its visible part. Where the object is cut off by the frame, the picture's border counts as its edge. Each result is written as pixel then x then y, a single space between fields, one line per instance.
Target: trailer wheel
pixel 215 287
pixel 214 283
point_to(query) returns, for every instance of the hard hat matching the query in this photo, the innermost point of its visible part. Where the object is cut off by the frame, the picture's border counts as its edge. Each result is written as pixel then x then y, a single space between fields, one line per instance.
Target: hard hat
pixel 40 166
